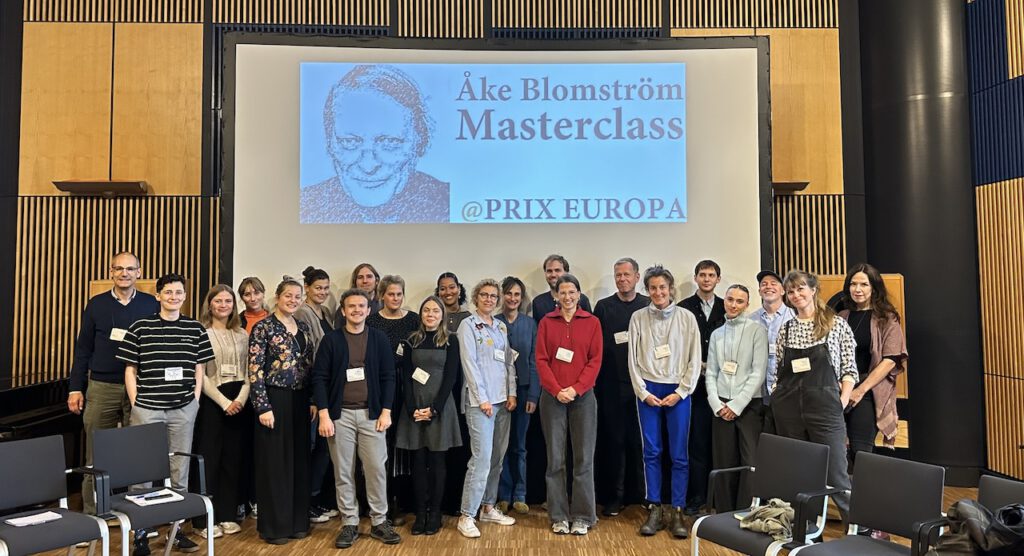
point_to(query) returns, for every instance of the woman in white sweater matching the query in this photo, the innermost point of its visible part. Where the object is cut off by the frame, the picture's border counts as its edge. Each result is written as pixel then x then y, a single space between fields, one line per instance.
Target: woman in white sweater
pixel 664 363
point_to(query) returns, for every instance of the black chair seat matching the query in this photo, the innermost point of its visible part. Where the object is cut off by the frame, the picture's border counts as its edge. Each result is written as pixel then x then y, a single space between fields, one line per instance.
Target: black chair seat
pixel 144 517
pixel 858 545
pixel 71 529
pixel 723 529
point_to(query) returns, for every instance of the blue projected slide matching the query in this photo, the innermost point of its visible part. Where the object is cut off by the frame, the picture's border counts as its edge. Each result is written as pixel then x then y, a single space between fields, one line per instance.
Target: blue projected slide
pixel 492 143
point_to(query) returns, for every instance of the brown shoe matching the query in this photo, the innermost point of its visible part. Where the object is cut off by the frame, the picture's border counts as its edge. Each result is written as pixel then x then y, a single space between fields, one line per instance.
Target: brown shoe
pixel 678 525
pixel 654 521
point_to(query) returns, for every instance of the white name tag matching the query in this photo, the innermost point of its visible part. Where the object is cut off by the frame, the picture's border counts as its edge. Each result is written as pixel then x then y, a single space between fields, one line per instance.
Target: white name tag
pixel 421 376
pixel 499 355
pixel 662 351
pixel 801 365
pixel 174 373
pixel 771 349
pixel 117 334
pixel 355 374
pixel 729 367
pixel 564 355
pixel 400 351
pixel 515 356
pixel 229 370
pixel 622 337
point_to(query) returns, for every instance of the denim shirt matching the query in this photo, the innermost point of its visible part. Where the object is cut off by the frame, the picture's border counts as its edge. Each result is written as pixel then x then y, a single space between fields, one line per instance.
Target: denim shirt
pixel 522 335
pixel 773 326
pixel 486 378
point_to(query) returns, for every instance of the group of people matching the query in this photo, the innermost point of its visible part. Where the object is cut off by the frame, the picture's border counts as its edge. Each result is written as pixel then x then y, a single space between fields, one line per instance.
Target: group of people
pixel 441 398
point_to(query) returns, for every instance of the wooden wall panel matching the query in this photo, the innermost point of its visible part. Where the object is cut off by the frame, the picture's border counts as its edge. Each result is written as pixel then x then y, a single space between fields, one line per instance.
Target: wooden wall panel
pixel 1004 398
pixel 810 233
pixel 577 13
pixel 1000 209
pixel 64 243
pixel 807 141
pixel 797 13
pixel 303 12
pixel 462 19
pixel 65 104
pixel 696 14
pixel 157 123
pixel 1015 37
pixel 135 11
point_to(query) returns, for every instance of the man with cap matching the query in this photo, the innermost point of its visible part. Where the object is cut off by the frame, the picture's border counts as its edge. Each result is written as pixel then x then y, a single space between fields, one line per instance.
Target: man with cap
pixel 772 314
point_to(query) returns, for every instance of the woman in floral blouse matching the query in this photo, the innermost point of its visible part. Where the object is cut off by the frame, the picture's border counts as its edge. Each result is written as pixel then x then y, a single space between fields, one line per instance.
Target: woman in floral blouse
pixel 280 357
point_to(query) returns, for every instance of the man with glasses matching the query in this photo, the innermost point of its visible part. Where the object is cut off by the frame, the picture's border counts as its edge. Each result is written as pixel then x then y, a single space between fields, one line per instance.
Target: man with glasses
pixel 97 377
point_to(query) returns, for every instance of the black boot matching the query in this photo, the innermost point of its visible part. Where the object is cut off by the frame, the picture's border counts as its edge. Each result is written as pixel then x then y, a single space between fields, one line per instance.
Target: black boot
pixel 420 525
pixel 654 521
pixel 678 525
pixel 434 517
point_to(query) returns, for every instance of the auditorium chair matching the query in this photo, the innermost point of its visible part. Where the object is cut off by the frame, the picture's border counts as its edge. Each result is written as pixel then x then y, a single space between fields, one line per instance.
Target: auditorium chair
pixel 783 468
pixel 137 455
pixel 993 493
pixel 33 473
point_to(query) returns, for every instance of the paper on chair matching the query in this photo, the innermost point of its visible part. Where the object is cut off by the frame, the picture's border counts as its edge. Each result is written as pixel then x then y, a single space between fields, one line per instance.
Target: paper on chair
pixel 34 519
pixel 157 497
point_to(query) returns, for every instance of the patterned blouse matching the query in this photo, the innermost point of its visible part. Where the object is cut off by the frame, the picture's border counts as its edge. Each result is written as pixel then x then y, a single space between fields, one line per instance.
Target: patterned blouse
pixel 277 358
pixel 799 334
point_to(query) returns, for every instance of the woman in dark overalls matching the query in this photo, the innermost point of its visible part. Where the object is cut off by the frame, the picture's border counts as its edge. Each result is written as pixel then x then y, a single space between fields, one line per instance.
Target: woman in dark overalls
pixel 428 363
pixel 816 374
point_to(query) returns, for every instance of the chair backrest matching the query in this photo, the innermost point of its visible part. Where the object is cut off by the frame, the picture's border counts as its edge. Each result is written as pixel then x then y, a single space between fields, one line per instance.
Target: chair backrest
pixel 132 455
pixel 891 494
pixel 32 471
pixel 995 492
pixel 785 467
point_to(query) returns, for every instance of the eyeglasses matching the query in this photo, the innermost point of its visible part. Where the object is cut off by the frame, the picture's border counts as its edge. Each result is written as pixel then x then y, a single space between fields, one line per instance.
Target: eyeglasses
pixel 489 295
pixel 120 269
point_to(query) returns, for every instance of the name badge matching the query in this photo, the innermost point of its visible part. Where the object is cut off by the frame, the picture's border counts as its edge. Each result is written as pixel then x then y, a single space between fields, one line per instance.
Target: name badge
pixel 421 376
pixel 801 365
pixel 515 356
pixel 400 351
pixel 174 373
pixel 662 351
pixel 621 337
pixel 729 367
pixel 355 374
pixel 771 349
pixel 499 355
pixel 564 355
pixel 117 334
pixel 229 370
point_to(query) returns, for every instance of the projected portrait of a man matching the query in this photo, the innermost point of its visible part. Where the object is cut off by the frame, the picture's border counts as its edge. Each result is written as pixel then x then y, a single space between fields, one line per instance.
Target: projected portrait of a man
pixel 377 129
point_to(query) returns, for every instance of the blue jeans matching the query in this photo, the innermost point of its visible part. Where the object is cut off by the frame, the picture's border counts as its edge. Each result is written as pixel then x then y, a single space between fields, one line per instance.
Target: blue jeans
pixel 512 487
pixel 487 442
pixel 677 421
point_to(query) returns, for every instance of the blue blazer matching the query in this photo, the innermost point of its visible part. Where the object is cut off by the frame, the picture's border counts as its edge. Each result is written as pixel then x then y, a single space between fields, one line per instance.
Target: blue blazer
pixel 331 364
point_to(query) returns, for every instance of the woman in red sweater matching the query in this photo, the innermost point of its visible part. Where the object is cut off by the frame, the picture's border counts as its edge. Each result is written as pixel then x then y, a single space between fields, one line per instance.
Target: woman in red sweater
pixel 568 360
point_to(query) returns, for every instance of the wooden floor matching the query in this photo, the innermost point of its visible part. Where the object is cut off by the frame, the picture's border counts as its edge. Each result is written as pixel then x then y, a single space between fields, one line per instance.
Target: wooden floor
pixel 530 535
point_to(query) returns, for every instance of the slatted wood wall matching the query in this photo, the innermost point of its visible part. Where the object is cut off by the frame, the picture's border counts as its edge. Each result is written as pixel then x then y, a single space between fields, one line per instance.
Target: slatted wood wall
pixel 1015 37
pixel 1000 209
pixel 690 14
pixel 126 11
pixel 810 233
pixel 461 19
pixel 65 242
pixel 577 13
pixel 302 12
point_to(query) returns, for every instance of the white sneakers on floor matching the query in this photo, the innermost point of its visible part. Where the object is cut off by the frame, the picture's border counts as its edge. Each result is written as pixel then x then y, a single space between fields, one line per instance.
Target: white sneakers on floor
pixel 218 532
pixel 496 516
pixel 230 527
pixel 560 527
pixel 467 526
pixel 579 528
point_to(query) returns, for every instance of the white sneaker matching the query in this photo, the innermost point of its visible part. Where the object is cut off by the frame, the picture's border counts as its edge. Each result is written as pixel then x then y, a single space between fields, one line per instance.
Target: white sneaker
pixel 579 528
pixel 560 527
pixel 230 527
pixel 467 526
pixel 496 516
pixel 217 532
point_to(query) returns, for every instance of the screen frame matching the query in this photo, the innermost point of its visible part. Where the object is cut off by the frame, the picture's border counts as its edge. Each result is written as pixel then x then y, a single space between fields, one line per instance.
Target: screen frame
pixel 227 120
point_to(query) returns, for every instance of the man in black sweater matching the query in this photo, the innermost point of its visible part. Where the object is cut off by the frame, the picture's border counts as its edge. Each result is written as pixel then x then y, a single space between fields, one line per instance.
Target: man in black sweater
pixel 97 377
pixel 354 391
pixel 617 425
pixel 710 312
pixel 554 267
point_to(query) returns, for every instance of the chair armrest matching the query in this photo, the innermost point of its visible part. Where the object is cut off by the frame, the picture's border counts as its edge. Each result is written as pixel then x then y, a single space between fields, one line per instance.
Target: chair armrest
pixel 202 468
pixel 102 487
pixel 715 476
pixel 924 532
pixel 803 510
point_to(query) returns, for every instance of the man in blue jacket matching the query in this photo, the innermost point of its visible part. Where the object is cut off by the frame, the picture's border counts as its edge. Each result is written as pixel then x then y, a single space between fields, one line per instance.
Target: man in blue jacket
pixel 354 391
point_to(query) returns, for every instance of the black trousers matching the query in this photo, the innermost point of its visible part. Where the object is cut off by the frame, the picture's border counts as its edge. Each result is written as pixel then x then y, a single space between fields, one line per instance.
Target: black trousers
pixel 428 476
pixel 700 446
pixel 734 443
pixel 861 428
pixel 222 443
pixel 282 466
pixel 621 459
